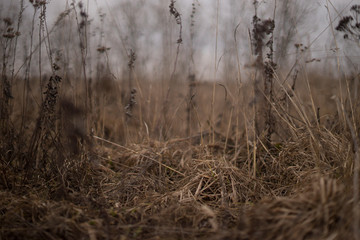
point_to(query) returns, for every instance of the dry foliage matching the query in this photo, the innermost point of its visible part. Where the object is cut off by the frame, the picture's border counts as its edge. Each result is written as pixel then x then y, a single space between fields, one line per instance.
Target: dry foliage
pixel 84 158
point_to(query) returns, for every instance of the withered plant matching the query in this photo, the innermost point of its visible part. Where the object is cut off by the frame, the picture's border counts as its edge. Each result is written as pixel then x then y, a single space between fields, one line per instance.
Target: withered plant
pixel 262 41
pixel 349 26
pixel 9 36
pixel 44 149
pixel 191 103
pixel 177 16
pixel 82 30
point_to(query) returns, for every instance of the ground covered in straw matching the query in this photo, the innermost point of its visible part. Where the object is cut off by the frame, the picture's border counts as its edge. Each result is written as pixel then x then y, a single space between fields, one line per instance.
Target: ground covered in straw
pixel 177 190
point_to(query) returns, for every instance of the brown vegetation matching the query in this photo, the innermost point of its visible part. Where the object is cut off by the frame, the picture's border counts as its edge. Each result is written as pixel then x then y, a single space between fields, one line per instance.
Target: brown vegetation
pixel 87 155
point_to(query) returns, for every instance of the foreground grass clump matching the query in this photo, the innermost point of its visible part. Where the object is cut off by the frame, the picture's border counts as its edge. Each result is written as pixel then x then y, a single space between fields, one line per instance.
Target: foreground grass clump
pixel 173 190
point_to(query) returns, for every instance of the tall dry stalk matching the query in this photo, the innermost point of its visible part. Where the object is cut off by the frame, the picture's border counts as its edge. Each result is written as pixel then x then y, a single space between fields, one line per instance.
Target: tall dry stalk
pixel 191 76
pixel 6 83
pixel 132 99
pixel 45 137
pixel 212 116
pixel 177 16
pixel 11 36
pixel 82 30
pixel 26 85
pixel 350 27
pixel 191 103
pixel 262 41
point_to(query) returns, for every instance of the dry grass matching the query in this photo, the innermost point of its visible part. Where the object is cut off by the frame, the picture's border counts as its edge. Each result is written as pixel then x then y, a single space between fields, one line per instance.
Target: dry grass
pixel 95 159
pixel 172 190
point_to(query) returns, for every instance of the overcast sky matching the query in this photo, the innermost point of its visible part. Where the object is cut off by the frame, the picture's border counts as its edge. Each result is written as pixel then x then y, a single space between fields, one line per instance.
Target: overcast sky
pixel 314 29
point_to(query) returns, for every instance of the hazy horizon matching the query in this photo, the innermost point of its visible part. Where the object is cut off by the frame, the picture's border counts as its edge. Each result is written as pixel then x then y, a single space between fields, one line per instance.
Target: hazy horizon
pixel 139 25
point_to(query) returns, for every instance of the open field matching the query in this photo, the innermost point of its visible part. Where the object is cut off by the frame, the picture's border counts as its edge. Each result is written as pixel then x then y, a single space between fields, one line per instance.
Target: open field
pixel 266 149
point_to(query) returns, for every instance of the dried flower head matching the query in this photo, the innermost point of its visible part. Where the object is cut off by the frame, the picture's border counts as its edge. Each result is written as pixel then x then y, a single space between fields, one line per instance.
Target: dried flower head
pixel 102 49
pixel 132 58
pixel 38 3
pixel 261 28
pixel 177 16
pixel 344 24
pixel 62 16
pixel 9 35
pixel 355 8
pixel 131 103
pixel 83 14
pixel 55 67
pixel 8 21
pixel 174 12
pixel 350 24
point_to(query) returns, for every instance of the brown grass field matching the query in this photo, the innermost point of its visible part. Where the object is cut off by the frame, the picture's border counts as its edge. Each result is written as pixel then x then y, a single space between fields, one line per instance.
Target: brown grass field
pixel 262 152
